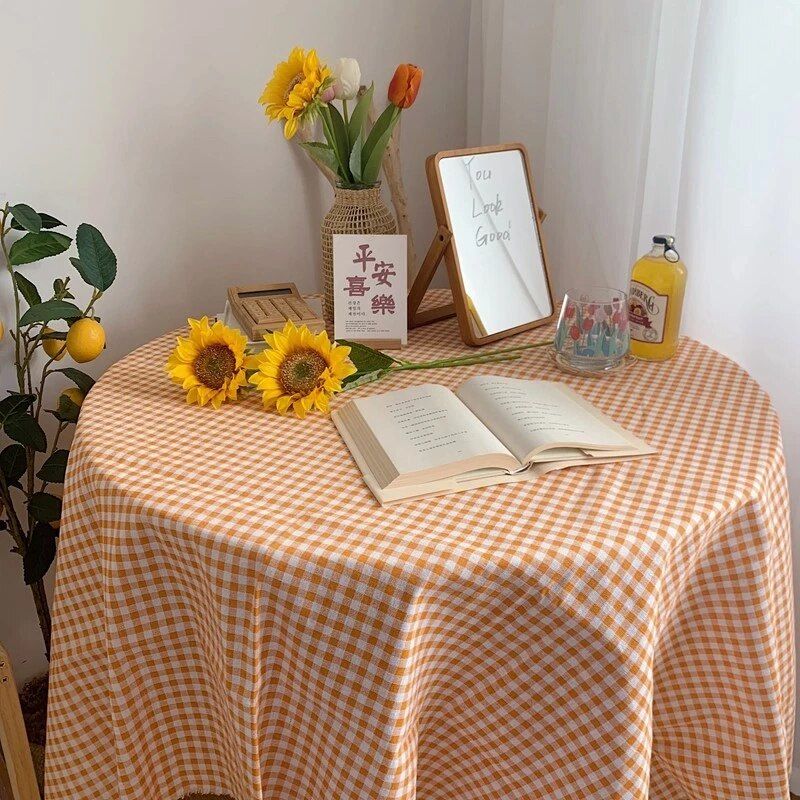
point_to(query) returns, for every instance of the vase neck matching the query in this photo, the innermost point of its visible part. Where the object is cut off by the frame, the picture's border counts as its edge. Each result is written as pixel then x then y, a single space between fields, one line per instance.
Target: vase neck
pixel 364 196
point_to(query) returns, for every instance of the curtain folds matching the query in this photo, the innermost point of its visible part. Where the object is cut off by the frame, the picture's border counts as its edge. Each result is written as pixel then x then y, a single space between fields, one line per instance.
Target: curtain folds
pixel 663 116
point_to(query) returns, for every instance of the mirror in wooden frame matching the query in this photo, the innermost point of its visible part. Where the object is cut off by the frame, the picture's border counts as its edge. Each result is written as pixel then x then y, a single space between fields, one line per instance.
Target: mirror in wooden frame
pixel 489 233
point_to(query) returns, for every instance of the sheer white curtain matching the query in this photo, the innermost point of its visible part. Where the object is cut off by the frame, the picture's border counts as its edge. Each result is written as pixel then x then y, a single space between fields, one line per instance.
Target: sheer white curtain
pixel 661 116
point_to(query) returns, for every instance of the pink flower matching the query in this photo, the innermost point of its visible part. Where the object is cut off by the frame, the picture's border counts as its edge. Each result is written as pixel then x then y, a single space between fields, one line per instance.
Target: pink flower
pixel 588 324
pixel 570 312
pixel 328 95
pixel 574 333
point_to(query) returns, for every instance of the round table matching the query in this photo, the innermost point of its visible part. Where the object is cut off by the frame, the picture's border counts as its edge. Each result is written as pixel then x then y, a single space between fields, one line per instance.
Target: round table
pixel 235 613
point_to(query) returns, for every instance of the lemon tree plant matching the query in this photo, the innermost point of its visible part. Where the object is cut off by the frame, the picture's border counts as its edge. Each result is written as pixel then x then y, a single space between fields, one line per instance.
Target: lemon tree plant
pixel 44 332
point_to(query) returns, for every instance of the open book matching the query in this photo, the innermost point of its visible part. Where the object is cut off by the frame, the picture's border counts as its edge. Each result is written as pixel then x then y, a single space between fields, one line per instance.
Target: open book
pixel 429 440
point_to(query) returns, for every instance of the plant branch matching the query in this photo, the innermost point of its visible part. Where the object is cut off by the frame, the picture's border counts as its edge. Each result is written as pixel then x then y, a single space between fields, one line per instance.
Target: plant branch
pixel 3 231
pixel 14 525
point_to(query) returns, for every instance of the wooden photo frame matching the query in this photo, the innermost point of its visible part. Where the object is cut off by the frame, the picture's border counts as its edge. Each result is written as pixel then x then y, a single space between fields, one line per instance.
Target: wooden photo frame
pixel 445 245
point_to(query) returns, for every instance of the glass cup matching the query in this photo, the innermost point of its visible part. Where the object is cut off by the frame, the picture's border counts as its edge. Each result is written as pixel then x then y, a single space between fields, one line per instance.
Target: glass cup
pixel 592 335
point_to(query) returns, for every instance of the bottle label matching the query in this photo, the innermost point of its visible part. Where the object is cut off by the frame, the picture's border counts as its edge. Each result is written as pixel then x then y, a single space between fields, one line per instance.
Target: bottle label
pixel 647 313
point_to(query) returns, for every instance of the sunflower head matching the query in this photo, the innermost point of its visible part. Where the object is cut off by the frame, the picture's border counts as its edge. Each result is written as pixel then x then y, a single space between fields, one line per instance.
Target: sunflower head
pixel 209 363
pixel 299 370
pixel 292 93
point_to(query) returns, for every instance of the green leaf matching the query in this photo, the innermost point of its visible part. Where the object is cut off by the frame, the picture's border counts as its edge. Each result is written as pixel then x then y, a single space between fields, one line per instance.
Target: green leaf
pixel 360 378
pixel 384 121
pixel 26 430
pixel 340 129
pixel 355 157
pixel 83 381
pixel 27 218
pixel 373 161
pixel 67 410
pixel 322 154
pixel 36 246
pixel 40 552
pixel 366 358
pixel 45 507
pixel 50 310
pixel 13 462
pixel 366 361
pixel 53 469
pixel 359 115
pixel 338 140
pixel 27 289
pixel 97 264
pixel 48 221
pixel 15 405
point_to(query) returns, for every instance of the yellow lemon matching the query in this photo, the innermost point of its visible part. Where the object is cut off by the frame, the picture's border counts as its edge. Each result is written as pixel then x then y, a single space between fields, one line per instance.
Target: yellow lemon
pixel 55 348
pixel 85 340
pixel 75 395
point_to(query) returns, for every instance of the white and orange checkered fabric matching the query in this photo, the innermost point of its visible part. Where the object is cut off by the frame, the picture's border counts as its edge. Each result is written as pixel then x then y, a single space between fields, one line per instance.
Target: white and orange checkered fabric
pixel 235 613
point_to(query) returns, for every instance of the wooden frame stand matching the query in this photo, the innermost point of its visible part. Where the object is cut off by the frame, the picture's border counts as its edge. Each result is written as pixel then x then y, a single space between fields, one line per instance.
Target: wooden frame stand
pixel 436 252
pixel 434 256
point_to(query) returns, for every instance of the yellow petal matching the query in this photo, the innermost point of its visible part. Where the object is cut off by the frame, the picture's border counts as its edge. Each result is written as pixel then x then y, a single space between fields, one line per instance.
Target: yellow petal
pixel 283 403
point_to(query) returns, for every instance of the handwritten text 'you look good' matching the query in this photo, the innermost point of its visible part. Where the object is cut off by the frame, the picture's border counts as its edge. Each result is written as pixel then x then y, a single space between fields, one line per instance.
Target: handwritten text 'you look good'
pixel 492 210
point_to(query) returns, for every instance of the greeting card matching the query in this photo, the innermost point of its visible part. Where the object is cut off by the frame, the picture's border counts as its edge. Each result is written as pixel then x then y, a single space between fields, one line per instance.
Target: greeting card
pixel 369 284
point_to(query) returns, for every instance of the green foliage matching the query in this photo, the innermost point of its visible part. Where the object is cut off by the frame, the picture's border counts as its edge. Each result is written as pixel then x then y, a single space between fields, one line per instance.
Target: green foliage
pixel 36 246
pixel 47 222
pixel 34 538
pixel 45 507
pixel 83 381
pixel 97 263
pixel 13 462
pixel 355 157
pixel 370 364
pixel 359 116
pixel 26 430
pixel 27 218
pixel 372 154
pixel 50 310
pixel 322 154
pixel 54 468
pixel 15 405
pixel 67 410
pixel 40 553
pixel 336 135
pixel 27 289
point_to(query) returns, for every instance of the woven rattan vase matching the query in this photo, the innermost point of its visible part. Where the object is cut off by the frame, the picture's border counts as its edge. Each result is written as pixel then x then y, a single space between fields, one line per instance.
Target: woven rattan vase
pixel 353 211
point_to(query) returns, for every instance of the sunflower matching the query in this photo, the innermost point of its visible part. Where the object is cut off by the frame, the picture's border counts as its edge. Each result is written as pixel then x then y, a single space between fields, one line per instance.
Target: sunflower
pixel 299 370
pixel 209 364
pixel 293 90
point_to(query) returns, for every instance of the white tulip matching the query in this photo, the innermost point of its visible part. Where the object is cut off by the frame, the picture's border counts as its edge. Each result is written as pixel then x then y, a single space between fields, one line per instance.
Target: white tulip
pixel 347 78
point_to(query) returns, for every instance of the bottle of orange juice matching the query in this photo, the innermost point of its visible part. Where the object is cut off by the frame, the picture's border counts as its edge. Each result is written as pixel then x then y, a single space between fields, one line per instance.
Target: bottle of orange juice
pixel 655 301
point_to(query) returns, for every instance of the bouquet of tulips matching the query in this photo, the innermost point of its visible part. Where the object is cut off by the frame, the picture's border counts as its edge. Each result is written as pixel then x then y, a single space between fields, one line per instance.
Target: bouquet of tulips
pixel 303 89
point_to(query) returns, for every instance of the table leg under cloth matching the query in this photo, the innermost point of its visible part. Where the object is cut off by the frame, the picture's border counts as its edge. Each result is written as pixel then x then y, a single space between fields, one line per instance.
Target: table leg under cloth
pixel 340 678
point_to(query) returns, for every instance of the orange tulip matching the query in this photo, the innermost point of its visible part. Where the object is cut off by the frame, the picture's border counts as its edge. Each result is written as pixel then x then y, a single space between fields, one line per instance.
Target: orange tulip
pixel 404 85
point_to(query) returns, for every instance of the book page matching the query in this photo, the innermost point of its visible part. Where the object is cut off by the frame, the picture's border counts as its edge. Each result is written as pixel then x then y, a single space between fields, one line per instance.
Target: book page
pixel 425 430
pixel 531 416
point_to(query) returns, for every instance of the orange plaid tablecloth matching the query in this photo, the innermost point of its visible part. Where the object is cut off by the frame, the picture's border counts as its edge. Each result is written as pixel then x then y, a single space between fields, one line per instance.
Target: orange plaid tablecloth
pixel 235 613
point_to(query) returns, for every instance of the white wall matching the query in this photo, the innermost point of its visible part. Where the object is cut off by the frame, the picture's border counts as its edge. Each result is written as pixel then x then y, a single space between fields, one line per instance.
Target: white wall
pixel 142 118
